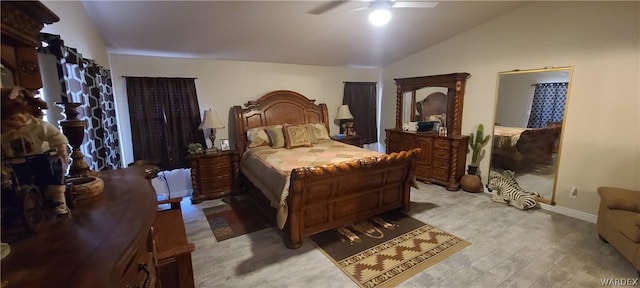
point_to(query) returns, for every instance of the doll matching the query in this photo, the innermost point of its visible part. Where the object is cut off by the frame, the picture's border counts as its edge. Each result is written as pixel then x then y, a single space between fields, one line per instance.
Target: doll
pixel 27 141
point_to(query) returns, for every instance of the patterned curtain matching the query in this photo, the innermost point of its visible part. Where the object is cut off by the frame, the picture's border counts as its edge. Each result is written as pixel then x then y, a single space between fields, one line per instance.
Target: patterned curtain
pixel 361 98
pixel 548 104
pixel 83 81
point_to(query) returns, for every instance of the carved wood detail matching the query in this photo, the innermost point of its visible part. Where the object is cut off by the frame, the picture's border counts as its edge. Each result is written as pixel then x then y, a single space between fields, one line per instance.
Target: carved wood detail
pixel 454 82
pixel 327 196
pixel 21 24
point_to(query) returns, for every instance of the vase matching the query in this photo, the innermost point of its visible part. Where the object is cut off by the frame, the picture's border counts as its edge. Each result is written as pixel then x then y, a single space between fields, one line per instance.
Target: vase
pixel 471 182
pixel 73 128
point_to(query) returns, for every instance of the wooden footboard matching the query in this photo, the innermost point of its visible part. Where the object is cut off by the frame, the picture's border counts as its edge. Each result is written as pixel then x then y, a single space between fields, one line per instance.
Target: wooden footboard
pixel 328 196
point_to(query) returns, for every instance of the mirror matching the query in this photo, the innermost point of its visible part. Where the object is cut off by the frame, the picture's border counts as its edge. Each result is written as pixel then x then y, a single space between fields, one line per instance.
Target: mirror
pixel 431 98
pixel 426 104
pixel 530 111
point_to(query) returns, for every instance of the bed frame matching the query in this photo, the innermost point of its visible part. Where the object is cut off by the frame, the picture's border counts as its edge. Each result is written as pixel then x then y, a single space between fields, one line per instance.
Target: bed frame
pixel 534 146
pixel 327 196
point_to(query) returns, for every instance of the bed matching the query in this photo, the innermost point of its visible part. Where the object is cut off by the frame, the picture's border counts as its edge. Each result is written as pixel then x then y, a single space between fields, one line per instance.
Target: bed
pixel 320 196
pixel 517 149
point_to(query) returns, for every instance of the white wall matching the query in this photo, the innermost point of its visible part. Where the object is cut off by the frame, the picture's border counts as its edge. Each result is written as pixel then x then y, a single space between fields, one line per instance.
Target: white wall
pixel 77 31
pixel 223 84
pixel 600 40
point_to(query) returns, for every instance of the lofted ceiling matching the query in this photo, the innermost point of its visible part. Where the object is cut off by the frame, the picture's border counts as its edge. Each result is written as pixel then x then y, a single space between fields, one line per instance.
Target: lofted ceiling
pixel 282 31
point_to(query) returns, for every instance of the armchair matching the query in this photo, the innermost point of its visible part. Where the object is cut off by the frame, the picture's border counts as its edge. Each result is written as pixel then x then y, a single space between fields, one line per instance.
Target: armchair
pixel 619 221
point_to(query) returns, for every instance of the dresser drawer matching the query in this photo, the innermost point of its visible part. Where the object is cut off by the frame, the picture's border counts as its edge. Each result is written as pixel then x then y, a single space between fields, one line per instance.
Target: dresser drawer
pixel 440 174
pixel 441 153
pixel 221 183
pixel 214 162
pixel 442 164
pixel 214 172
pixel 441 144
pixel 135 274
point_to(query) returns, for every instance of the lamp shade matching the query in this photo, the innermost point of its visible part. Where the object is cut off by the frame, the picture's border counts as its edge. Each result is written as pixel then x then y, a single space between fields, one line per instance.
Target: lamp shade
pixel 344 113
pixel 211 120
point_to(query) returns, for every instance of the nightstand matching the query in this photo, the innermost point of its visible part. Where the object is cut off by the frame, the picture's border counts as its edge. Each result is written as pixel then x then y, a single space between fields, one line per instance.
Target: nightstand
pixel 354 140
pixel 213 174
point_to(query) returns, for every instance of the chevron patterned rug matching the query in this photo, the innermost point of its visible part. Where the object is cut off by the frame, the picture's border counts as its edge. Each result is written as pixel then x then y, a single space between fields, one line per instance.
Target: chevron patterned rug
pixel 386 250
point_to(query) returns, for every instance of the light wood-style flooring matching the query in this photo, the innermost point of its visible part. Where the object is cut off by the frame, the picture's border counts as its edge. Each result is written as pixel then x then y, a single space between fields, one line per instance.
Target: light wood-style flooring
pixel 509 248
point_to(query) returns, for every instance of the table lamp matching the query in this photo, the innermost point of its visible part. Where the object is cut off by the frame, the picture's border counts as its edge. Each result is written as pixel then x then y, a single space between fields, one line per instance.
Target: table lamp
pixel 343 114
pixel 211 121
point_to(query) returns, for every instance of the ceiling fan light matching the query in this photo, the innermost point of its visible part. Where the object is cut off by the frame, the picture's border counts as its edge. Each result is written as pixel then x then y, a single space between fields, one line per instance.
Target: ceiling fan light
pixel 380 17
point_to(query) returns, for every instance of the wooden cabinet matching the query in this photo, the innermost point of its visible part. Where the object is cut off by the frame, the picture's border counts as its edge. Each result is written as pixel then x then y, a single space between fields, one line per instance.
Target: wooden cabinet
pixel 213 174
pixel 443 158
pixel 173 249
pixel 106 241
pixel 354 140
pixel 21 25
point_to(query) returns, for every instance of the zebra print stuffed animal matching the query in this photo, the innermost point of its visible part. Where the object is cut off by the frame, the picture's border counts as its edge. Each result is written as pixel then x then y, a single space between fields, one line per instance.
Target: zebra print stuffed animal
pixel 505 189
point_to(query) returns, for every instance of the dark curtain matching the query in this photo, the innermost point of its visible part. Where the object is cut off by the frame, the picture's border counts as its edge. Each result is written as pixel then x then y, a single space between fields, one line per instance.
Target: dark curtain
pixel 548 104
pixel 361 98
pixel 165 116
pixel 83 81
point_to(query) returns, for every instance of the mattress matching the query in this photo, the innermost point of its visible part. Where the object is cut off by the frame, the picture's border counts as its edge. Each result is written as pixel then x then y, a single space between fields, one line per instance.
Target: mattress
pixel 270 169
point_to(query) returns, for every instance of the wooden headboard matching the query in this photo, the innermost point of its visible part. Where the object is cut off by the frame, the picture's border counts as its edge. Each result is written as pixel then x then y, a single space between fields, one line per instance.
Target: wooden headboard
pixel 277 107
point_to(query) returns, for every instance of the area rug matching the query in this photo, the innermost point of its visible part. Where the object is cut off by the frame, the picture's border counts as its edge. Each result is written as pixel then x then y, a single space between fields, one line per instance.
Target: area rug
pixel 238 216
pixel 386 250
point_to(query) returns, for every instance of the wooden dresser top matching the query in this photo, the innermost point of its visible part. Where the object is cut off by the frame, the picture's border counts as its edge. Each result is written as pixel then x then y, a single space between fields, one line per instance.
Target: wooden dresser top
pixel 88 248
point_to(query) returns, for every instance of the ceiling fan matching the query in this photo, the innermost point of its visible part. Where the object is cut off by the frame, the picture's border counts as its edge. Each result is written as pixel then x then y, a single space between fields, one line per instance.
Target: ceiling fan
pixel 380 9
pixel 332 6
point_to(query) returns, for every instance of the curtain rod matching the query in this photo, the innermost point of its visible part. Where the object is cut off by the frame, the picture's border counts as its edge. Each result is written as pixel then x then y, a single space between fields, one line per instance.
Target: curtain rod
pixel 123 76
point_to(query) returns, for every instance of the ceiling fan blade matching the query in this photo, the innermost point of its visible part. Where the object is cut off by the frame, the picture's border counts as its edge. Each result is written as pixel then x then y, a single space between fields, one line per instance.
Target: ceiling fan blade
pixel 413 4
pixel 356 9
pixel 326 7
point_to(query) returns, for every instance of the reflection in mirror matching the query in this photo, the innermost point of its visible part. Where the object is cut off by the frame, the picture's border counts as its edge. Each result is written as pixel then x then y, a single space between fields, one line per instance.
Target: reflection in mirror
pixel 530 112
pixel 426 104
pixel 6 75
pixel 431 104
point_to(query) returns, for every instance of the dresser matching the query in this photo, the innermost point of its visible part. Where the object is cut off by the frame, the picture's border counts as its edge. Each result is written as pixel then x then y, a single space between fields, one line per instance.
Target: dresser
pixel 106 242
pixel 442 160
pixel 213 174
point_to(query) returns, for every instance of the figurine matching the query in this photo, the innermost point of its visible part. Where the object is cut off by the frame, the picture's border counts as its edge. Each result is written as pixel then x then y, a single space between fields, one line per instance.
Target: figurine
pixel 27 141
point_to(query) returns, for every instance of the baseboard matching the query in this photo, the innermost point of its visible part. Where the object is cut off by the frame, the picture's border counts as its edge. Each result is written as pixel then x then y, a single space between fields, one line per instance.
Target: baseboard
pixel 571 213
pixel 567 212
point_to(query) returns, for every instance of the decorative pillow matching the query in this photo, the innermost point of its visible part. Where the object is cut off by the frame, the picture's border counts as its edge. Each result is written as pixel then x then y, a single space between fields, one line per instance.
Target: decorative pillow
pixel 296 136
pixel 312 134
pixel 257 137
pixel 276 136
pixel 319 131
